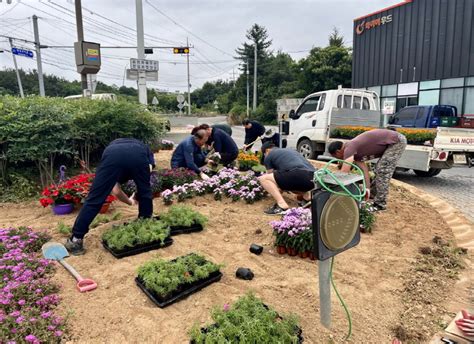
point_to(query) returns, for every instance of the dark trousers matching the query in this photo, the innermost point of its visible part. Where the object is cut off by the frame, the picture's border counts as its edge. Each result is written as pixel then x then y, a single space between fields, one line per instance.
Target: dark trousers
pixel 228 158
pixel 120 162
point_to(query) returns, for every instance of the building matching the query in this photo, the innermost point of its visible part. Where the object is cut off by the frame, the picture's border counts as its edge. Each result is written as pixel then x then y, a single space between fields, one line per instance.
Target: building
pixel 418 52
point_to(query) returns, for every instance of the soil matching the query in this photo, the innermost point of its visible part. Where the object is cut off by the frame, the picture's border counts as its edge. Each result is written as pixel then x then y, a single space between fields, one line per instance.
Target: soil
pixel 372 277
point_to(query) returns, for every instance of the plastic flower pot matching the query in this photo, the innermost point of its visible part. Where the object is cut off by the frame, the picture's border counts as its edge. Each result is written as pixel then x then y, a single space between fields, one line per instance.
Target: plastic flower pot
pixel 291 251
pixel 105 208
pixel 312 256
pixel 156 194
pixel 303 254
pixel 63 209
pixel 281 249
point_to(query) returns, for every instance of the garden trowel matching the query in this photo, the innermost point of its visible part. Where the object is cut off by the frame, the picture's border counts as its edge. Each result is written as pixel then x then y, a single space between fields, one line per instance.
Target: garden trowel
pixel 57 251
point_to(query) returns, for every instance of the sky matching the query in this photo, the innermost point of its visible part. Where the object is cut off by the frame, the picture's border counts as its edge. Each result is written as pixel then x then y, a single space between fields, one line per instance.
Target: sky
pixel 215 28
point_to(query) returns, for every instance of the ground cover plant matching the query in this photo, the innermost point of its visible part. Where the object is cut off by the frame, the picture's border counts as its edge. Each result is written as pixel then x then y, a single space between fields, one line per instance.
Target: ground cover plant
pixel 249 320
pixel 183 216
pixel 27 296
pixel 414 136
pixel 140 232
pixel 165 277
pixel 175 177
pixel 226 183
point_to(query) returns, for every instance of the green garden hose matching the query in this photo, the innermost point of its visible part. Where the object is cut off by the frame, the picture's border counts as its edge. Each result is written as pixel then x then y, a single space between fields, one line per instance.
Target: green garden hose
pixel 318 178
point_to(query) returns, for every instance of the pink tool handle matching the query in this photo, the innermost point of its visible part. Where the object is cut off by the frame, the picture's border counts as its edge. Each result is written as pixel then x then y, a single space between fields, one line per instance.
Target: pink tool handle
pixel 86 284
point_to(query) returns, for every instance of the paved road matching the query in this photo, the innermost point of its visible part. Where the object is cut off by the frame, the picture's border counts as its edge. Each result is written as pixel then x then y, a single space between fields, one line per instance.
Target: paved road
pixel 455 185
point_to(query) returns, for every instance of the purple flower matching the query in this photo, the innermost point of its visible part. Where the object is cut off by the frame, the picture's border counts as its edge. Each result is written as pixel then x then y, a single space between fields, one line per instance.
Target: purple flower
pixel 226 307
pixel 21 302
pixel 31 339
pixel 58 333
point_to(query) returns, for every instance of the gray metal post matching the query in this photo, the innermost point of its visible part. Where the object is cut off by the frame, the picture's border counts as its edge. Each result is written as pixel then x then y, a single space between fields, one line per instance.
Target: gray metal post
pixel 248 89
pixel 142 96
pixel 325 292
pixel 16 69
pixel 189 81
pixel 38 56
pixel 80 38
pixel 255 79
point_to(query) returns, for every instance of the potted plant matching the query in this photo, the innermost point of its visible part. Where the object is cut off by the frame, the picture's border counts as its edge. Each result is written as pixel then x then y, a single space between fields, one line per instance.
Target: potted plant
pixel 61 197
pixel 249 320
pixel 175 177
pixel 294 230
pixel 247 160
pixel 166 282
pixel 136 237
pixel 183 219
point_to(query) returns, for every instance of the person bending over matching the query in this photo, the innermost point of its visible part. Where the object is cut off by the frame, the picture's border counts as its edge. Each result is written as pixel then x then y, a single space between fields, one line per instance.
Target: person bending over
pixel 387 145
pixel 253 130
pixel 189 153
pixel 221 143
pixel 287 170
pixel 122 160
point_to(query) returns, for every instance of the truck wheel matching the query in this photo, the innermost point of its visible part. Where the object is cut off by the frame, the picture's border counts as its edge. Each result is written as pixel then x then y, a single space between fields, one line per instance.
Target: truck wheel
pixel 430 173
pixel 305 148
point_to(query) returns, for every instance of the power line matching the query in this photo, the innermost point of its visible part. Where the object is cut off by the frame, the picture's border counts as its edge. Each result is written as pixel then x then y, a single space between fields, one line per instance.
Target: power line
pixel 185 29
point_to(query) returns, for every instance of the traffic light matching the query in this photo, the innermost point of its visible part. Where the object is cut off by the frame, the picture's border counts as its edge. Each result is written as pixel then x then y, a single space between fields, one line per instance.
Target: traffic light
pixel 181 50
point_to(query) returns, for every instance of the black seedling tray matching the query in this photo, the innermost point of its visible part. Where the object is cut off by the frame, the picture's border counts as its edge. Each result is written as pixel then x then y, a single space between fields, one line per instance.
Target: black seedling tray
pixel 131 251
pixel 182 292
pixel 176 230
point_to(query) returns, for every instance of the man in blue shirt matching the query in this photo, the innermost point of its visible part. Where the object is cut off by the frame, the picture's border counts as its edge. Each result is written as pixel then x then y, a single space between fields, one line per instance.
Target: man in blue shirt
pixel 222 143
pixel 253 130
pixel 188 154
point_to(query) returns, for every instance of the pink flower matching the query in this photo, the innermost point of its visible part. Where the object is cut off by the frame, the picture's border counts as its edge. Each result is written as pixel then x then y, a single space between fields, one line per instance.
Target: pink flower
pixel 226 307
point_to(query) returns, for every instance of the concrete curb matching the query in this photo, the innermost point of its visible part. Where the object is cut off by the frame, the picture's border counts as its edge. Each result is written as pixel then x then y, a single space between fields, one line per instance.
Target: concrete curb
pixel 462 228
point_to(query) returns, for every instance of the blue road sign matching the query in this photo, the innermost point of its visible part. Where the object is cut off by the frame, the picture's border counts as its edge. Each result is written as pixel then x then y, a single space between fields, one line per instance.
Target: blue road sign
pixel 22 52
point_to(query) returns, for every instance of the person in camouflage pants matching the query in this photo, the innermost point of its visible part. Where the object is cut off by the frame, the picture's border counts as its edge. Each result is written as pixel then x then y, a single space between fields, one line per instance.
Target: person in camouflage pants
pixel 385 168
pixel 386 145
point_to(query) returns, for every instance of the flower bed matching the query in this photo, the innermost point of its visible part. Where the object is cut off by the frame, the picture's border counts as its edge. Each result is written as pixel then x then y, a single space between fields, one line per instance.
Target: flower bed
pixel 414 136
pixel 136 237
pixel 165 282
pixel 249 320
pixel 27 295
pixel 227 182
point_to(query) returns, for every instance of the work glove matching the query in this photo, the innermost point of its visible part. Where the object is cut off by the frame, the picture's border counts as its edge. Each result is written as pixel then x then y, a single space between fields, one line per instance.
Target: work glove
pixel 204 176
pixel 466 323
pixel 133 200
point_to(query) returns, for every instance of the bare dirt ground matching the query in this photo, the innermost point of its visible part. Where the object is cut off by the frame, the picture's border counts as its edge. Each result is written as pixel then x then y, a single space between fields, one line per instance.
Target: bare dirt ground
pixel 370 277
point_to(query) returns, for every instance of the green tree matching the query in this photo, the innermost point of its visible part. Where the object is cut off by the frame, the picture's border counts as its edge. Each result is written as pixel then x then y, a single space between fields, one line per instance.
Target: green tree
pixel 335 39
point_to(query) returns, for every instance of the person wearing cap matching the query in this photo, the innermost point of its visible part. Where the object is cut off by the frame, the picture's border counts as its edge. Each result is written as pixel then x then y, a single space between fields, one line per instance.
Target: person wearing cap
pixel 271 136
pixel 221 142
pixel 287 170
pixel 253 131
pixel 387 145
pixel 189 154
pixel 122 160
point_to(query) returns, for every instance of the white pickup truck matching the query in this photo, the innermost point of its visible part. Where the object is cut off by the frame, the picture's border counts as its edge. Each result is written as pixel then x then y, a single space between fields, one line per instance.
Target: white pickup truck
pixel 309 128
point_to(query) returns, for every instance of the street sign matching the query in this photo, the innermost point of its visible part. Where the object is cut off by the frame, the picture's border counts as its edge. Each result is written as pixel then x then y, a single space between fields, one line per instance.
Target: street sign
pixel 144 65
pixel 180 98
pixel 22 52
pixel 155 101
pixel 180 106
pixel 150 75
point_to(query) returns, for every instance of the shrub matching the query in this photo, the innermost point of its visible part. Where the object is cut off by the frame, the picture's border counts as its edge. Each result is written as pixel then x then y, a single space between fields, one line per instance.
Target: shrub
pixel 183 216
pixel 249 320
pixel 142 231
pixel 414 136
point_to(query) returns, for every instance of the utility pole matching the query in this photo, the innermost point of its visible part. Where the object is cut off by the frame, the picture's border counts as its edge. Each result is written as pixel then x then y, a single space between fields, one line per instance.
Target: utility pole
pixel 80 38
pixel 255 79
pixel 248 88
pixel 189 81
pixel 142 96
pixel 16 69
pixel 38 56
